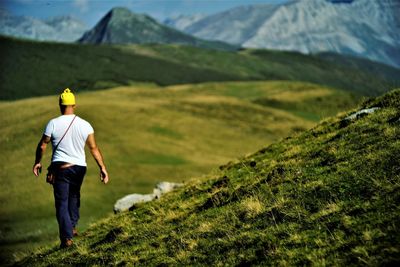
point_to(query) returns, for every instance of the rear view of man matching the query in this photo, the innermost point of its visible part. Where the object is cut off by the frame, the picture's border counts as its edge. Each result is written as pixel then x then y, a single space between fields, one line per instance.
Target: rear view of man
pixel 68 134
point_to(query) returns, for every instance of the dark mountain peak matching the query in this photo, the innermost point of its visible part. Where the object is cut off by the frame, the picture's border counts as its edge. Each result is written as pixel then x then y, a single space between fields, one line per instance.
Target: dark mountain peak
pixel 122 26
pixel 120 12
pixel 123 16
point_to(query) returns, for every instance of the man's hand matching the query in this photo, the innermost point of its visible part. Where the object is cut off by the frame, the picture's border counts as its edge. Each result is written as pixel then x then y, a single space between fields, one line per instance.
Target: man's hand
pixel 103 175
pixel 40 149
pixel 37 169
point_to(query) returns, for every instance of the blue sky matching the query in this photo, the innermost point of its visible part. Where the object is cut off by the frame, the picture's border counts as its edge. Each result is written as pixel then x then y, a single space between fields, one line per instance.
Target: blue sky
pixel 90 11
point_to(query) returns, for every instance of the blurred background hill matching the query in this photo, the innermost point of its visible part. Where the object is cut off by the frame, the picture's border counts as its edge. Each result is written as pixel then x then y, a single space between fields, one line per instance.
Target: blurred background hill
pixel 32 68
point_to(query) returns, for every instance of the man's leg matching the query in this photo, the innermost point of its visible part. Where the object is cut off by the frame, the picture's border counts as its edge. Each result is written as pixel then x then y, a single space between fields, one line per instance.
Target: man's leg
pixel 74 204
pixel 61 195
pixel 75 194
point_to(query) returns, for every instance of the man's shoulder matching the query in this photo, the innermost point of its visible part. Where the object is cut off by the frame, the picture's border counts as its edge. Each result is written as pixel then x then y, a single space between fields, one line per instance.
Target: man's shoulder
pixel 57 119
pixel 80 120
pixel 53 120
pixel 85 124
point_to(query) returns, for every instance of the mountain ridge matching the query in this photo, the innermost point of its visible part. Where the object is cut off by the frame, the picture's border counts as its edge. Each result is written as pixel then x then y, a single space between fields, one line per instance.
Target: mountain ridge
pixel 59 29
pixel 180 22
pixel 362 28
pixel 121 26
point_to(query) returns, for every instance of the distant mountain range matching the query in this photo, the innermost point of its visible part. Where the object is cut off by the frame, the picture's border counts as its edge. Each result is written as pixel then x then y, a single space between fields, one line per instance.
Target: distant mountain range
pixel 181 22
pixel 60 29
pixel 121 26
pixel 365 28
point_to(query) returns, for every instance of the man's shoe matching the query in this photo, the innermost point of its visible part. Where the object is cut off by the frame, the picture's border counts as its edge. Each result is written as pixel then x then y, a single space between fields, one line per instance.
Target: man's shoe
pixel 75 232
pixel 67 243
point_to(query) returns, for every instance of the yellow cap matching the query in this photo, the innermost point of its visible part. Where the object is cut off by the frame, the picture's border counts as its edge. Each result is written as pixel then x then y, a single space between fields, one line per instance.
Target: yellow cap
pixel 67 98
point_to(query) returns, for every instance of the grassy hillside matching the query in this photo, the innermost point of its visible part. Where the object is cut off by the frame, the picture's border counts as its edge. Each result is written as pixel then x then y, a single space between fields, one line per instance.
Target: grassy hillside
pixel 361 63
pixel 327 196
pixel 147 134
pixel 30 69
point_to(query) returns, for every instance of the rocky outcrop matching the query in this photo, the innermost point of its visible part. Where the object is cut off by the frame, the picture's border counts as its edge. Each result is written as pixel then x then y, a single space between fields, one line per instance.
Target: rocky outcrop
pixel 357 115
pixel 129 201
pixel 361 113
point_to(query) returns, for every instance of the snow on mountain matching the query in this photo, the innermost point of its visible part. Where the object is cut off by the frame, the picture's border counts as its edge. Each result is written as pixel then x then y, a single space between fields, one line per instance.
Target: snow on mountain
pixel 60 29
pixel 181 22
pixel 366 28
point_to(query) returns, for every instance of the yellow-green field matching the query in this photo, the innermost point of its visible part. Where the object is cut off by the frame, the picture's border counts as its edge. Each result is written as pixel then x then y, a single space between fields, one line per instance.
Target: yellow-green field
pixel 327 196
pixel 147 134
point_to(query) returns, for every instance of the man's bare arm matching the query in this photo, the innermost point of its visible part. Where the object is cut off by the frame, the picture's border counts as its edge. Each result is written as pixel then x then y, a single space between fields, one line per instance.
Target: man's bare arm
pixel 95 151
pixel 40 149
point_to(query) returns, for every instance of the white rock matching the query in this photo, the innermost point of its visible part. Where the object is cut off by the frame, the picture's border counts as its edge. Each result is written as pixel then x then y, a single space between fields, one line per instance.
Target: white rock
pixel 165 187
pixel 361 112
pixel 128 201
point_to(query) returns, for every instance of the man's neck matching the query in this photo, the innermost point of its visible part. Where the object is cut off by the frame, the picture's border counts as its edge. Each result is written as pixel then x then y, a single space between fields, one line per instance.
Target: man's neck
pixel 69 110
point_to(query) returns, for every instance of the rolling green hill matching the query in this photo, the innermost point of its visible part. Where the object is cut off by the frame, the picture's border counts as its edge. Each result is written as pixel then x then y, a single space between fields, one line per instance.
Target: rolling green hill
pixel 147 134
pixel 361 63
pixel 327 196
pixel 30 69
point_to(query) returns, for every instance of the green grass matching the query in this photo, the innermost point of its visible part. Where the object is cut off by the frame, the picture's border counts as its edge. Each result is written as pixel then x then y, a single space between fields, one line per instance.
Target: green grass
pixel 312 102
pixel 165 132
pixel 147 134
pixel 150 158
pixel 326 196
pixel 31 69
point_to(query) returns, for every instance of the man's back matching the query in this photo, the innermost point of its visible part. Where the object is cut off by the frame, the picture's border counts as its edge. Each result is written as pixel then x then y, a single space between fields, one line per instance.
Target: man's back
pixel 71 148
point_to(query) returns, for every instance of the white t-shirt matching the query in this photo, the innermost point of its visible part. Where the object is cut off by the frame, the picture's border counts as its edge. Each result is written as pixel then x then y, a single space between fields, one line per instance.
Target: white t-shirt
pixel 72 147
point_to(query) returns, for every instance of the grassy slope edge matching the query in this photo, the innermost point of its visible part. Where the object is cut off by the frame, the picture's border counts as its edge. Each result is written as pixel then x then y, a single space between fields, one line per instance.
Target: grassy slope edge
pixel 328 196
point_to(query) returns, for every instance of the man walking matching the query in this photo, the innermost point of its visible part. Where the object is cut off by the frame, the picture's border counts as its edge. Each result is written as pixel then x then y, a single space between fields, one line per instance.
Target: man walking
pixel 68 134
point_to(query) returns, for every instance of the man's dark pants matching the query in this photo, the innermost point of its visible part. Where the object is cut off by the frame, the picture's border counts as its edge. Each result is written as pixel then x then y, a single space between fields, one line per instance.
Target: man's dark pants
pixel 67 188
